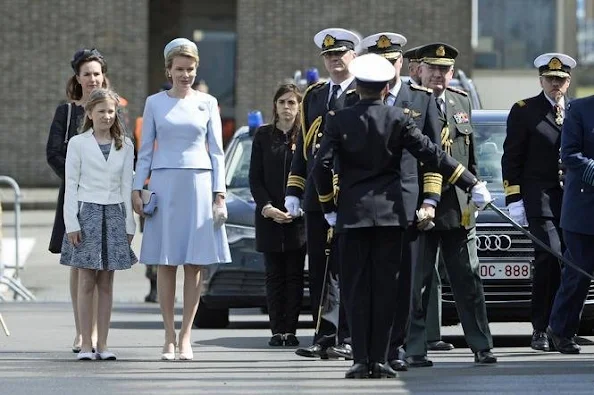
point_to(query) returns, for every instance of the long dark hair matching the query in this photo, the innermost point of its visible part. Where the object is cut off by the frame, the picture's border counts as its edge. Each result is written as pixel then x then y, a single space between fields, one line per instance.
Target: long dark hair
pixel 82 56
pixel 283 89
pixel 99 95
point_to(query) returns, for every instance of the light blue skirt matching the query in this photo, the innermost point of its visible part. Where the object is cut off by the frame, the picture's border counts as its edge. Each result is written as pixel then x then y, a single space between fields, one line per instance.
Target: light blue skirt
pixel 182 231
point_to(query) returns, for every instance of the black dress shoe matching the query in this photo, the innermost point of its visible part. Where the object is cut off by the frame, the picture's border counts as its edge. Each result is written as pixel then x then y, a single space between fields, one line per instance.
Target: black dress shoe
pixel 340 351
pixel 439 346
pixel 358 371
pixel 398 365
pixel 381 370
pixel 565 345
pixel 418 361
pixel 276 340
pixel 291 340
pixel 484 357
pixel 540 341
pixel 152 296
pixel 313 351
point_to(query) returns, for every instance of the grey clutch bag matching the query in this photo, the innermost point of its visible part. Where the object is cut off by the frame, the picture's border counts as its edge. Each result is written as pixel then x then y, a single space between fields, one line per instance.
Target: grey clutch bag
pixel 149 201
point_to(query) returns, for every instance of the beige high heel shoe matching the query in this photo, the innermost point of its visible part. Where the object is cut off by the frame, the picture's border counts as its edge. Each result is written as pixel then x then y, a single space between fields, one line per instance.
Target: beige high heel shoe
pixel 168 352
pixel 186 355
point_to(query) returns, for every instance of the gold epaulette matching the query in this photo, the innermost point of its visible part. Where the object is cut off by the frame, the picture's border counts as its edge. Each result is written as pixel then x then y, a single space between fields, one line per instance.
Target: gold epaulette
pixel 521 103
pixel 432 183
pixel 296 181
pixel 460 91
pixel 313 130
pixel 510 189
pixel 312 86
pixel 420 88
pixel 456 174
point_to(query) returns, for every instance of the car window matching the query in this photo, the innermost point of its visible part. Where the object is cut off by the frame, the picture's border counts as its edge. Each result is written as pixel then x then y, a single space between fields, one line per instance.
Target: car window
pixel 238 164
pixel 489 149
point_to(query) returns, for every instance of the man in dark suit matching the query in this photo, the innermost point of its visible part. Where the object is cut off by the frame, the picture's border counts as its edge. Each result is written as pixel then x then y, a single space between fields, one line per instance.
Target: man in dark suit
pixel 366 141
pixel 533 193
pixel 577 222
pixel 454 218
pixel 337 50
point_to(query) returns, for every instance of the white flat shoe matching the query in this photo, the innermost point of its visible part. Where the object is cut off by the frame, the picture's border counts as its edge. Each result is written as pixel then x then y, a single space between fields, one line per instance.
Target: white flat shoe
pixel 186 356
pixel 85 356
pixel 105 356
pixel 168 356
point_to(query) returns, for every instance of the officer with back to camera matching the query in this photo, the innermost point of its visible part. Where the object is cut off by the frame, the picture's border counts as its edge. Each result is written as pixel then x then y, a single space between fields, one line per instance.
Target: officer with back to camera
pixel 366 141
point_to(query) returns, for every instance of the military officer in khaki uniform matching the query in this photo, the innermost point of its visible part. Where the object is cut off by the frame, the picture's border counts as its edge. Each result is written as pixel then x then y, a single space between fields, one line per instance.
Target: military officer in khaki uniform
pixel 454 231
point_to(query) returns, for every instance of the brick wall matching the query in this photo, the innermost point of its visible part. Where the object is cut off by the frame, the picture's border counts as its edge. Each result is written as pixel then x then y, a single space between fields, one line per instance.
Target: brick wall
pixel 275 38
pixel 38 41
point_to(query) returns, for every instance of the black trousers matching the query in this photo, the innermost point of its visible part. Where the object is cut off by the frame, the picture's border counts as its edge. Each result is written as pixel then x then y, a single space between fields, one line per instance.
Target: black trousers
pixel 284 289
pixel 401 322
pixel 334 323
pixel 369 270
pixel 547 270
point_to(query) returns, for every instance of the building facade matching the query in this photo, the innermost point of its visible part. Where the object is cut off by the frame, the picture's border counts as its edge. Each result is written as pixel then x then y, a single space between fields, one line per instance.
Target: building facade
pixel 247 47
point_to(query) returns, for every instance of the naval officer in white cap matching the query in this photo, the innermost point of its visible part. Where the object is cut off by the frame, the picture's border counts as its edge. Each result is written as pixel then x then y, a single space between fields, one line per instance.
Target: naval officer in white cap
pixel 337 45
pixel 366 140
pixel 532 174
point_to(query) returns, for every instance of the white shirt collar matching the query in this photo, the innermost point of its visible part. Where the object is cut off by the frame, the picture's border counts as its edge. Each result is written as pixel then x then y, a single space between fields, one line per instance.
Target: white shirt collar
pixel 561 102
pixel 343 86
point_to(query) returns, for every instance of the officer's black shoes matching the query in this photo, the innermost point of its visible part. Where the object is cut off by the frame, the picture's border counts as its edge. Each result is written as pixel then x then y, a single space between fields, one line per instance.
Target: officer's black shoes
pixel 398 365
pixel 439 345
pixel 358 371
pixel 291 340
pixel 565 345
pixel 152 296
pixel 314 351
pixel 484 357
pixel 342 350
pixel 276 340
pixel 418 361
pixel 540 341
pixel 381 370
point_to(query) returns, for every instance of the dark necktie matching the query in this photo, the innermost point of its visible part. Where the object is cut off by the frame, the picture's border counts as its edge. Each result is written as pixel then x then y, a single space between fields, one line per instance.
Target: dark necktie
pixel 446 141
pixel 558 110
pixel 333 97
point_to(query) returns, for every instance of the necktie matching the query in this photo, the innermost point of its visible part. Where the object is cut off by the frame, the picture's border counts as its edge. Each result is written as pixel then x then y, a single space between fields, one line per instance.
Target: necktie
pixel 446 141
pixel 333 97
pixel 558 114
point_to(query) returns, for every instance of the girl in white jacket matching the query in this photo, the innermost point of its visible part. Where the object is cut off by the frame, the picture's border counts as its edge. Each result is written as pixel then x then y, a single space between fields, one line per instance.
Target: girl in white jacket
pixel 98 213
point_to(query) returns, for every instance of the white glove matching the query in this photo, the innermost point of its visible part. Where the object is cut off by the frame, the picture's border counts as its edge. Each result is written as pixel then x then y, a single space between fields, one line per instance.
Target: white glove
pixel 480 195
pixel 292 205
pixel 424 222
pixel 331 218
pixel 219 214
pixel 517 212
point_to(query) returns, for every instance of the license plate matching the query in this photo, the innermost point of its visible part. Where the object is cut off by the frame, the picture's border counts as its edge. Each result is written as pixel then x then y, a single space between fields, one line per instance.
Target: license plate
pixel 504 271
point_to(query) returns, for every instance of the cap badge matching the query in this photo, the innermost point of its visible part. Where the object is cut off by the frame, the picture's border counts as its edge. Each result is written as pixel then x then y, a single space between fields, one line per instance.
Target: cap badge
pixel 328 41
pixel 555 64
pixel 384 42
pixel 440 51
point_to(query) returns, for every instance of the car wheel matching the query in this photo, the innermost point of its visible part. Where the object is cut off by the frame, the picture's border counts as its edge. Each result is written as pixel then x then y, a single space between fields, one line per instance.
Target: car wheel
pixel 586 328
pixel 211 318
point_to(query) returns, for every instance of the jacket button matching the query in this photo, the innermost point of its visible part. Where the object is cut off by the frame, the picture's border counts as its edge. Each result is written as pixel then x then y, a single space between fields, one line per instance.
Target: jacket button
pixel 320 134
pixel 317 145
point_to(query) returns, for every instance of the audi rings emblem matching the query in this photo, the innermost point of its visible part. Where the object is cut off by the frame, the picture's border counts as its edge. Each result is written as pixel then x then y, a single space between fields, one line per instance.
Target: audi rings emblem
pixel 493 242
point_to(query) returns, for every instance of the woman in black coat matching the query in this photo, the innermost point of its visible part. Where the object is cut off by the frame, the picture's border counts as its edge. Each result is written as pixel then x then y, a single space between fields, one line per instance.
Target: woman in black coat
pixel 89 70
pixel 278 235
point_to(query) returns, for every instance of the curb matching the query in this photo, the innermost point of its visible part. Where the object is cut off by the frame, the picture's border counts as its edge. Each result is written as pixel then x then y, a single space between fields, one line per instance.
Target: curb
pixel 30 206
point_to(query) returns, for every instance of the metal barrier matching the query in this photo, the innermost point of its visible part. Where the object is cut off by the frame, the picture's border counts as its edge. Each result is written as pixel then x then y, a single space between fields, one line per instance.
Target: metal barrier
pixel 14 282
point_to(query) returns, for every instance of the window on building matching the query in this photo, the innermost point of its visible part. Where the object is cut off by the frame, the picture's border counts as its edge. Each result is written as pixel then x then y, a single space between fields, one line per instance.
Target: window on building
pixel 512 33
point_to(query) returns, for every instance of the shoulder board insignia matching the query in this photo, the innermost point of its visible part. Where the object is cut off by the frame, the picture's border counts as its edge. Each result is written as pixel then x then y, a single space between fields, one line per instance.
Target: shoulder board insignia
pixel 313 86
pixel 331 112
pixel 351 91
pixel 460 91
pixel 420 88
pixel 521 103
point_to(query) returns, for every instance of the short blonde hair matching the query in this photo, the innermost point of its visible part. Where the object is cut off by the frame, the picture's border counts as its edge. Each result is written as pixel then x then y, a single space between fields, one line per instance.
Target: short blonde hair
pixel 182 50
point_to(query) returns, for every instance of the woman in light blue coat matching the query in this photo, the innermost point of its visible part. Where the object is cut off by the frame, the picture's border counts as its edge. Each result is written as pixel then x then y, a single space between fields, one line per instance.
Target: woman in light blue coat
pixel 182 150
